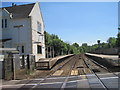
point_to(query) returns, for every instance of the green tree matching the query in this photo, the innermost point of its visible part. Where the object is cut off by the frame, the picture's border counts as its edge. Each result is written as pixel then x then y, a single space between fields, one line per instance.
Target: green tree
pixel 118 42
pixel 111 42
pixel 76 45
pixel 60 47
pixel 104 45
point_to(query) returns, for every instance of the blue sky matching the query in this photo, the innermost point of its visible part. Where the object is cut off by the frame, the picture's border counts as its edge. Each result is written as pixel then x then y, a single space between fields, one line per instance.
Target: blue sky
pixel 81 22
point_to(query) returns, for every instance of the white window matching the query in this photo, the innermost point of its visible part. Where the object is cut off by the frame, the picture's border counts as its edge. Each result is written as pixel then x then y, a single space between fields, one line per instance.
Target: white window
pixel 39 49
pixel 4 23
pixel 39 38
pixel 39 26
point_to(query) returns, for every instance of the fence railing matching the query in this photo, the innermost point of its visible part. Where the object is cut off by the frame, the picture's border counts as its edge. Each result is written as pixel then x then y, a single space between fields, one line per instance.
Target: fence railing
pixel 12 64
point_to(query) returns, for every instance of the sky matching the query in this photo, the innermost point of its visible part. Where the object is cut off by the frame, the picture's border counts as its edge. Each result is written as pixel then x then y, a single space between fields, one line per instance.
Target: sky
pixel 81 22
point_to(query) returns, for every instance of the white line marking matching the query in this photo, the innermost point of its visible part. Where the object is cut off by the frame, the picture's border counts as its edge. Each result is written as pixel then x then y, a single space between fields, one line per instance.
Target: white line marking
pixel 62 77
pixel 54 82
pixel 109 78
pixel 51 83
pixel 17 85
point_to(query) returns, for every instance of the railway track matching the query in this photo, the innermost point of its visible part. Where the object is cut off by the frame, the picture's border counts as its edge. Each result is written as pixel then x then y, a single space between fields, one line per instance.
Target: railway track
pixel 70 65
pixel 103 67
pixel 51 73
pixel 69 74
pixel 71 62
pixel 96 75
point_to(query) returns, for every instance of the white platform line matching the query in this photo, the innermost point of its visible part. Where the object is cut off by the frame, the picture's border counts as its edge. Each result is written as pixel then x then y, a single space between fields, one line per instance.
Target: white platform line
pixel 53 82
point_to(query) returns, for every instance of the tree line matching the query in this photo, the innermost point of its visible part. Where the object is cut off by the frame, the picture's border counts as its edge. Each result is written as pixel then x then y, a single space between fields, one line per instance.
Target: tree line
pixel 55 46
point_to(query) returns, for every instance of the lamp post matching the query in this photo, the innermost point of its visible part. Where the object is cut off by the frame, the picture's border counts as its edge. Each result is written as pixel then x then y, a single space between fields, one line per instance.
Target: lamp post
pixel 18 45
pixel 62 47
pixel 98 41
pixel 118 28
pixel 118 48
pixel 53 52
pixel 47 51
pixel 18 27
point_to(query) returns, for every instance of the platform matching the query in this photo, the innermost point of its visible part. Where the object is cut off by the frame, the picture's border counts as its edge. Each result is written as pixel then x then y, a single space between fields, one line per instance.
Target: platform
pixel 112 59
pixel 49 62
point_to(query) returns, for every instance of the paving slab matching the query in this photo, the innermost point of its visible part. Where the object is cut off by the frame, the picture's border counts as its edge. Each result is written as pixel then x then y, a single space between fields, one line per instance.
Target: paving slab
pixel 83 84
pixel 58 73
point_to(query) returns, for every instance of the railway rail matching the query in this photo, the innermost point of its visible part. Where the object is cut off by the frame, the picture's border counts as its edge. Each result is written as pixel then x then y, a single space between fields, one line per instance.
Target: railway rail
pixel 71 62
pixel 97 77
pixel 51 73
pixel 100 65
pixel 96 74
pixel 113 60
pixel 69 74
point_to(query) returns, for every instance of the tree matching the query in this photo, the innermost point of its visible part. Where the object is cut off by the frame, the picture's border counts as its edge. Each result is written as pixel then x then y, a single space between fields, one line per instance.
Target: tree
pixel 118 42
pixel 104 45
pixel 111 42
pixel 75 45
pixel 60 47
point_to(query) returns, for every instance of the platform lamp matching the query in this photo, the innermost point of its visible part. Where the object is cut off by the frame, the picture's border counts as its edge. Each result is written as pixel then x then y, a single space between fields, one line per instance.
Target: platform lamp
pixel 18 46
pixel 47 54
pixel 62 47
pixel 98 41
pixel 118 46
pixel 118 28
pixel 18 27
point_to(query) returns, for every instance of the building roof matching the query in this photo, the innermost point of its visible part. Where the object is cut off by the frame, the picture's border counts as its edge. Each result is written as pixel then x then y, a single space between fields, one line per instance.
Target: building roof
pixel 20 11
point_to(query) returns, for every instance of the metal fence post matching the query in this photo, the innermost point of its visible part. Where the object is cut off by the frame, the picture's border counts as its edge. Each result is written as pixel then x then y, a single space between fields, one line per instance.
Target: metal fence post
pixel 28 62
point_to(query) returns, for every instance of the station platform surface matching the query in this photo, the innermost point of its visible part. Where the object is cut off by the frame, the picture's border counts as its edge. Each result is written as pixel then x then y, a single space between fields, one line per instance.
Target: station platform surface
pixel 55 58
pixel 49 62
pixel 113 57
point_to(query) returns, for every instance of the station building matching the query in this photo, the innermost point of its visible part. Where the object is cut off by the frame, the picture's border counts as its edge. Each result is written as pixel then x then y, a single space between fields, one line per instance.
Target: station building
pixel 22 27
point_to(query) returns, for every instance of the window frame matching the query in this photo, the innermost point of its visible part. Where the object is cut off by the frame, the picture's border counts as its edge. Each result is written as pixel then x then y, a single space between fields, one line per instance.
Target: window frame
pixel 39 26
pixel 39 49
pixel 6 23
pixel 2 23
pixel 22 49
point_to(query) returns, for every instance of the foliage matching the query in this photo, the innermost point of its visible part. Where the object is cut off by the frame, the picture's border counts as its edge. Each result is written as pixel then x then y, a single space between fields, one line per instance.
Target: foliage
pixel 111 42
pixel 60 47
pixel 63 48
pixel 118 40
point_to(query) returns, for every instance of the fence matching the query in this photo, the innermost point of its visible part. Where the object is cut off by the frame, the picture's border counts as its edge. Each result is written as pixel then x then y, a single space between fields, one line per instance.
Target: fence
pixel 8 66
pixel 16 66
pixel 110 51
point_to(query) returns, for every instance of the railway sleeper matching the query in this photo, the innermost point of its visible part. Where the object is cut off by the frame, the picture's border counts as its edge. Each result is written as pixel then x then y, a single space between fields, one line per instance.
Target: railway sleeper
pixel 95 70
pixel 80 66
pixel 81 72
